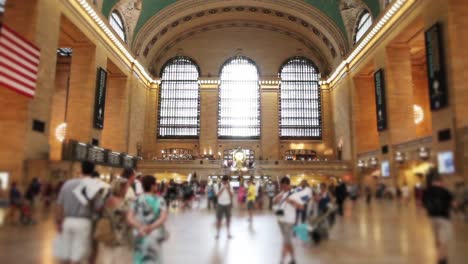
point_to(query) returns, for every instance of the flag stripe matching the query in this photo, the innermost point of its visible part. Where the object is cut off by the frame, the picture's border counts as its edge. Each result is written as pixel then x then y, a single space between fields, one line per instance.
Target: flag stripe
pixel 25 68
pixel 20 63
pixel 16 86
pixel 20 41
pixel 6 43
pixel 16 72
pixel 17 78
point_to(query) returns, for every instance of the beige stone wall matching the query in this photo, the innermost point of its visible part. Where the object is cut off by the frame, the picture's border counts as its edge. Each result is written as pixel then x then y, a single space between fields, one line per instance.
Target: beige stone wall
pixel 399 94
pixel 270 125
pixel 137 112
pixel 342 119
pixel 421 98
pixel 13 128
pixel 58 107
pixel 208 120
pixel 366 120
pixel 114 134
pixel 406 82
pixel 82 93
pixel 48 13
pixel 150 132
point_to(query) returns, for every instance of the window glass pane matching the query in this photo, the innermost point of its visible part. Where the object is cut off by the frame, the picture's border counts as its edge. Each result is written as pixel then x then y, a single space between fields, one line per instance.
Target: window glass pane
pixel 300 103
pixel 365 22
pixel 239 100
pixel 179 99
pixel 117 24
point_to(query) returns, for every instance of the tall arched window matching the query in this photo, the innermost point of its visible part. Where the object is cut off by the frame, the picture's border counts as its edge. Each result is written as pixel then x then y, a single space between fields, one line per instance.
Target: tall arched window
pixel 239 99
pixel 117 24
pixel 363 25
pixel 179 98
pixel 300 103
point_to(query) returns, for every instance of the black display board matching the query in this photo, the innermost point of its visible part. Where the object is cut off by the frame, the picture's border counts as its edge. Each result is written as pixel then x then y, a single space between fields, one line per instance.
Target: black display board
pixel 77 151
pixel 100 100
pixel 381 106
pixel 436 67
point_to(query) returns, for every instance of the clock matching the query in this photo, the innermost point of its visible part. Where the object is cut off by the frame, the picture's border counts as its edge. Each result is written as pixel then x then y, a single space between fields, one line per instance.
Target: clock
pixel 239 156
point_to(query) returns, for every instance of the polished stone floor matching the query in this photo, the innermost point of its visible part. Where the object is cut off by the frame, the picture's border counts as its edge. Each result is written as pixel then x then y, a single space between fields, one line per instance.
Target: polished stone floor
pixel 386 233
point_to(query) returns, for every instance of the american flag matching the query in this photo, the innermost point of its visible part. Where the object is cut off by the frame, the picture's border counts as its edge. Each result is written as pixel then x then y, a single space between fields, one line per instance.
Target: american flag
pixel 19 62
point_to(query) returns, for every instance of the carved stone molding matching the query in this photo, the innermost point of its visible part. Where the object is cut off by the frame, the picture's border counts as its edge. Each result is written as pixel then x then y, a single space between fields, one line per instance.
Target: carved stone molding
pixel 318 58
pixel 291 14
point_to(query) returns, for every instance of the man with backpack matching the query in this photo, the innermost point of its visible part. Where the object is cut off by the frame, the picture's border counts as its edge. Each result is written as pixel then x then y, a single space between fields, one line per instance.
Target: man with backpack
pixel 438 201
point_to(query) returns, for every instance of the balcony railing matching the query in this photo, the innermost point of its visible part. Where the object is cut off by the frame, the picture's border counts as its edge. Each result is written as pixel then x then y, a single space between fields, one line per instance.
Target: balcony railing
pixel 259 164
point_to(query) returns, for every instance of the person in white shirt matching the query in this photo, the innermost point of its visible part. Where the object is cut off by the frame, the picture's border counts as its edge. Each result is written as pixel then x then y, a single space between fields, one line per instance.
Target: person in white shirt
pixel 224 193
pixel 129 174
pixel 305 193
pixel 138 185
pixel 286 204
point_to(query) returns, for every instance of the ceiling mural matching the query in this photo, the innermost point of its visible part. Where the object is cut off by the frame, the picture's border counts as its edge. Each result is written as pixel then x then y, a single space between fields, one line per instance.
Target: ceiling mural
pixel 331 8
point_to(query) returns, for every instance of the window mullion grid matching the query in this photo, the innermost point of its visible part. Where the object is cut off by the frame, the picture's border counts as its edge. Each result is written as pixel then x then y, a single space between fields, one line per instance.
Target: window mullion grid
pixel 179 100
pixel 299 107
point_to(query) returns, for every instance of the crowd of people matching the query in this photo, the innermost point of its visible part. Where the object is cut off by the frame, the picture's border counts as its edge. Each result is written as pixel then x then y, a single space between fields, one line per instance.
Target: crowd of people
pixel 124 221
pixel 118 223
pixel 23 204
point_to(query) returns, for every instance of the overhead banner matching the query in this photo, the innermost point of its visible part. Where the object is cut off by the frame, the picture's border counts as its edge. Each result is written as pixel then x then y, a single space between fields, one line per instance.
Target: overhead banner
pixel 381 106
pixel 100 101
pixel 436 67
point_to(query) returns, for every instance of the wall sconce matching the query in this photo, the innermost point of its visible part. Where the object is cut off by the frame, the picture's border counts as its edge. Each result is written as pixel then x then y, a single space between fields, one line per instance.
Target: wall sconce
pixel 423 153
pixel 360 164
pixel 374 161
pixel 399 157
pixel 418 114
pixel 61 131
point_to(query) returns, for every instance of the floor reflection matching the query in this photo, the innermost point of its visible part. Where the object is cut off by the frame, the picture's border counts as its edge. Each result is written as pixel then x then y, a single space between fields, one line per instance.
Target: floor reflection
pixel 383 233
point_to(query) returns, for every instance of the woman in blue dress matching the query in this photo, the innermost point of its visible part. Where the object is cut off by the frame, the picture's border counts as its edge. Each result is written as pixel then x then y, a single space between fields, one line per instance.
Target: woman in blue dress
pixel 148 215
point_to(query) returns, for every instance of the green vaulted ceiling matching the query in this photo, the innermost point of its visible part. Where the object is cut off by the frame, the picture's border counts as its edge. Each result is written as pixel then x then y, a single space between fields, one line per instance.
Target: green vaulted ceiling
pixel 329 7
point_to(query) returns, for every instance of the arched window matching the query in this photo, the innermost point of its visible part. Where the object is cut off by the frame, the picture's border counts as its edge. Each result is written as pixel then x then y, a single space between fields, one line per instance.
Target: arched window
pixel 364 23
pixel 117 24
pixel 300 103
pixel 179 98
pixel 239 99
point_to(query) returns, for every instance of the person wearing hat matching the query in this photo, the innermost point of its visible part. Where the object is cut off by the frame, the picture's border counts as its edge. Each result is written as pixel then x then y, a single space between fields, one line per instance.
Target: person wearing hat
pixel 224 194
